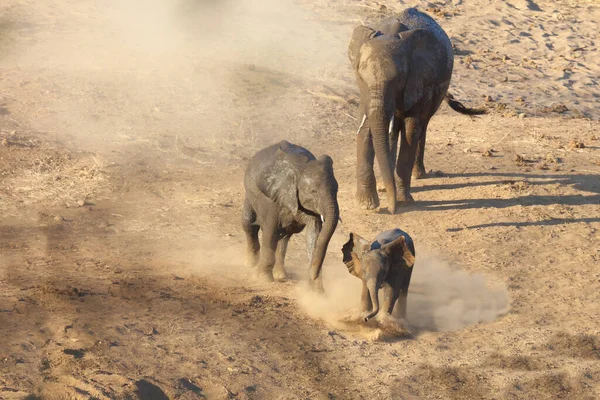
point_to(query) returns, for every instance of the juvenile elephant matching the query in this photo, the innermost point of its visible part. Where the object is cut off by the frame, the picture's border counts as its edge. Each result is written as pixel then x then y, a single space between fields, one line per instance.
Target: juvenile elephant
pixel 288 189
pixel 403 69
pixel 386 262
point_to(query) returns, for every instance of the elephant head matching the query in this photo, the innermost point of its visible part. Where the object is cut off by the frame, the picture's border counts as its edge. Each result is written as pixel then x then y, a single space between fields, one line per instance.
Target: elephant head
pixel 300 182
pixel 372 262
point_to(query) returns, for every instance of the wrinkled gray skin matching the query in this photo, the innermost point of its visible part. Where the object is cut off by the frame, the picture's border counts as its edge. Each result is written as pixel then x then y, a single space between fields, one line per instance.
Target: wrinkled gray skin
pixel 287 190
pixel 386 263
pixel 403 69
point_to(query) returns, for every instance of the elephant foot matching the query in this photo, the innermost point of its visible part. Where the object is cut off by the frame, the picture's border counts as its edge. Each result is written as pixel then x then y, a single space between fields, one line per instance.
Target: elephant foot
pixel 405 198
pixel 279 274
pixel 419 172
pixel 391 200
pixel 251 260
pixel 316 285
pixel 263 274
pixel 392 325
pixel 367 201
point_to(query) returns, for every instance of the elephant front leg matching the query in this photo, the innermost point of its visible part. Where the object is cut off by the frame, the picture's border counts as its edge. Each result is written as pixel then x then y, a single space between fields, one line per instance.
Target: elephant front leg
pixel 251 230
pixel 279 270
pixel 366 305
pixel 400 309
pixel 406 158
pixel 366 185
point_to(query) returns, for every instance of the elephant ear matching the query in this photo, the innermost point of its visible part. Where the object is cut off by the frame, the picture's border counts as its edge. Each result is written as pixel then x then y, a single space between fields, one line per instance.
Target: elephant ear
pixel 280 181
pixel 360 35
pixel 325 159
pixel 353 251
pixel 399 249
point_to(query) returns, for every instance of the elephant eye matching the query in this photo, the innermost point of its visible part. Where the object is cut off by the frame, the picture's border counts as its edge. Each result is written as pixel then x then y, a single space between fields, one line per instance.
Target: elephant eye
pixel 313 191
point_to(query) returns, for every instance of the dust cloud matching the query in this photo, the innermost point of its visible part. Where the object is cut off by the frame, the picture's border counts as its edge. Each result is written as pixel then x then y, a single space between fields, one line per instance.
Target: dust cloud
pixel 174 74
pixel 441 298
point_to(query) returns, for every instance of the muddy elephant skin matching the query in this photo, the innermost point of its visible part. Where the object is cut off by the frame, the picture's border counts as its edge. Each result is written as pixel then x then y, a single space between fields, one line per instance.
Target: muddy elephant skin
pixel 403 69
pixel 287 190
pixel 385 263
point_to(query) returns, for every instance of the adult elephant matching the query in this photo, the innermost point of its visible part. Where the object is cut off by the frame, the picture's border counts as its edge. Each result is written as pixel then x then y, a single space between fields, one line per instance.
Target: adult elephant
pixel 289 189
pixel 403 69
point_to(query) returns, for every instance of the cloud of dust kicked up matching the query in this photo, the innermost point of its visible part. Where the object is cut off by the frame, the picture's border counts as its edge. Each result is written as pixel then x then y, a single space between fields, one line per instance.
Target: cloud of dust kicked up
pixel 440 297
pixel 206 72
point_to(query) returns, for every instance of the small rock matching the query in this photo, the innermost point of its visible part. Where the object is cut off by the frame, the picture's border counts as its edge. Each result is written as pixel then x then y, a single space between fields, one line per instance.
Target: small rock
pixel 556 107
pixel 488 99
pixel 189 385
pixel 148 390
pixel 81 203
pixel 520 99
pixel 519 159
pixel 576 144
pixel 522 115
pixel 4 142
pixel 59 218
pixel 439 173
pixel 487 153
pixel 543 166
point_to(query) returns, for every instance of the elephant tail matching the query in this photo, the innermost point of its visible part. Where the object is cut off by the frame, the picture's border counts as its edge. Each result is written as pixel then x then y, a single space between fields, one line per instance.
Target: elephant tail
pixel 459 107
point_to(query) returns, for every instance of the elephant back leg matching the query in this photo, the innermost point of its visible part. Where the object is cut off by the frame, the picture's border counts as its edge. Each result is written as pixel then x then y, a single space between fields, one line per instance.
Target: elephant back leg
pixel 251 229
pixel 418 171
pixel 279 269
pixel 415 130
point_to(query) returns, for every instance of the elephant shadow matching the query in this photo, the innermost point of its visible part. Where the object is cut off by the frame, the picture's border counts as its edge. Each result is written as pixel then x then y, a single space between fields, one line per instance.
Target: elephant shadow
pixel 587 183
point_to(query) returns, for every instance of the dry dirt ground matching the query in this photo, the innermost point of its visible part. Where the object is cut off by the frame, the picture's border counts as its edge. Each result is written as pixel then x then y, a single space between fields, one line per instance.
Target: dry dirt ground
pixel 125 128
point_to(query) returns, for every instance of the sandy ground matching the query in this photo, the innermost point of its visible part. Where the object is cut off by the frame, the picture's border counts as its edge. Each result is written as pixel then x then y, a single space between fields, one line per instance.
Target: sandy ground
pixel 125 128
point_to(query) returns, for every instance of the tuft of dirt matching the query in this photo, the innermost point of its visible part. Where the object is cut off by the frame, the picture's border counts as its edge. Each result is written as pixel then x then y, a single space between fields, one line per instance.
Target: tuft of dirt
pixel 427 381
pixel 517 363
pixel 576 346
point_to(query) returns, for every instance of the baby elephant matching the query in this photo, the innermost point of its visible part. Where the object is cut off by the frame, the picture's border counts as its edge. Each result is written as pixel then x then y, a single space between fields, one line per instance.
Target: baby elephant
pixel 387 261
pixel 287 190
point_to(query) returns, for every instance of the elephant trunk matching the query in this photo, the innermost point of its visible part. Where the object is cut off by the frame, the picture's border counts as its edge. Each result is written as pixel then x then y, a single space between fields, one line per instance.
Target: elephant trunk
pixel 380 126
pixel 330 216
pixel 372 286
